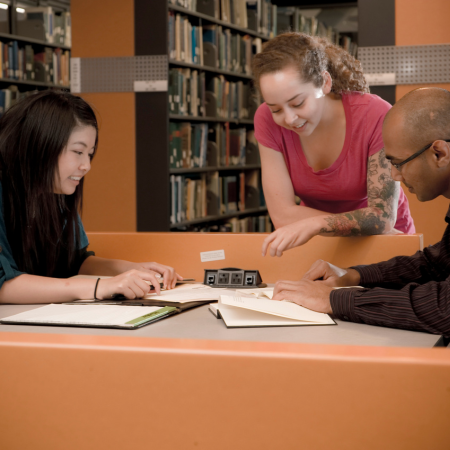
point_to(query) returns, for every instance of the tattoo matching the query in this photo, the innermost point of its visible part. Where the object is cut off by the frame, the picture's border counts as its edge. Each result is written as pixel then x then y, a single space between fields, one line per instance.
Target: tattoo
pixel 362 222
pixel 382 196
pixel 382 161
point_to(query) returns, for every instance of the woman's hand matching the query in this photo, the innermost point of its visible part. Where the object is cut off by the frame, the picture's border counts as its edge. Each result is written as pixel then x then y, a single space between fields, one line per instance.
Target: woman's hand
pixel 169 276
pixel 293 235
pixel 131 284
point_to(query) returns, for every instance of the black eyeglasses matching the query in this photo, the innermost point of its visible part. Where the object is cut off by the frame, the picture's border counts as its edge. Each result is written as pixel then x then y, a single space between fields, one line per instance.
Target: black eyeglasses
pixel 397 166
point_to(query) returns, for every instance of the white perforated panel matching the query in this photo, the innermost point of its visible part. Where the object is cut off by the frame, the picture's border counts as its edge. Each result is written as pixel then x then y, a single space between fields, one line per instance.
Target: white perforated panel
pixel 415 64
pixel 119 74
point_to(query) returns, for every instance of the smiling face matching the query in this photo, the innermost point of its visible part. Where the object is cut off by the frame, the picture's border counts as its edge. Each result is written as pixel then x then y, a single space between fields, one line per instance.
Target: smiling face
pixel 295 105
pixel 75 160
pixel 426 176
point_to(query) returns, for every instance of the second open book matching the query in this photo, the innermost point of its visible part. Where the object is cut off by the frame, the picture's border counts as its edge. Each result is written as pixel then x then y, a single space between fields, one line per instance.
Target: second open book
pixel 259 311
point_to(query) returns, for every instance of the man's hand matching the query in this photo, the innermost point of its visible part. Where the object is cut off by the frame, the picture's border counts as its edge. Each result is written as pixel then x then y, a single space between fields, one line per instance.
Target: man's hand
pixel 332 275
pixel 309 294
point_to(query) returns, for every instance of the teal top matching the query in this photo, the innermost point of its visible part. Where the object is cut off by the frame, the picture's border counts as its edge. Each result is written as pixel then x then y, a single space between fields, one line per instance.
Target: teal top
pixel 8 267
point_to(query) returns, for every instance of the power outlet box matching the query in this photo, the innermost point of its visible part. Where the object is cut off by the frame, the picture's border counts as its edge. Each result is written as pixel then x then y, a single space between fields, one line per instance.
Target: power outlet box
pixel 232 277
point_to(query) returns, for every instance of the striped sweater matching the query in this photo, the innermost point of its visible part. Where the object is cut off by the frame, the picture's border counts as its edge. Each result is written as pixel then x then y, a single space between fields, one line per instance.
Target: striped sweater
pixel 408 292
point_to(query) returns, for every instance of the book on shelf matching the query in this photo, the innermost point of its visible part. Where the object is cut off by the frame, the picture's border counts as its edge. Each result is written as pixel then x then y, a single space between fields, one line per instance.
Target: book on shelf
pixel 193 145
pixel 314 23
pixel 185 39
pixel 43 23
pixel 193 93
pixel 210 45
pixel 20 62
pixel 200 195
pixel 257 15
pixel 10 96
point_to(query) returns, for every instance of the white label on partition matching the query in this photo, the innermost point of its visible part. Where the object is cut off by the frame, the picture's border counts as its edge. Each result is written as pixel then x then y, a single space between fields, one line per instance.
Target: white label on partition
pixel 75 75
pixel 380 79
pixel 151 86
pixel 215 255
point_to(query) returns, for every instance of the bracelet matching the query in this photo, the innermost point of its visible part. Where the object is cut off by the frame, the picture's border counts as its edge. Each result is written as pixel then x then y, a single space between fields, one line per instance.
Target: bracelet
pixel 95 290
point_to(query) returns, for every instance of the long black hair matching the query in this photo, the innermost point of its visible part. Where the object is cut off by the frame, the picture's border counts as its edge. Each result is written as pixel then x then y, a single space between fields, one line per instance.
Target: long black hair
pixel 42 227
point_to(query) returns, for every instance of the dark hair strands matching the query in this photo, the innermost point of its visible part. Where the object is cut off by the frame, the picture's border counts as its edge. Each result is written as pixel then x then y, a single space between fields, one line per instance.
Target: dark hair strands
pixel 311 56
pixel 42 227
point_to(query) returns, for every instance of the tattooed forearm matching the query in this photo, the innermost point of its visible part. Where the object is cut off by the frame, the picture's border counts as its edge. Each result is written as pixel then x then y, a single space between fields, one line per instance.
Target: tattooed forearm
pixel 382 200
pixel 362 222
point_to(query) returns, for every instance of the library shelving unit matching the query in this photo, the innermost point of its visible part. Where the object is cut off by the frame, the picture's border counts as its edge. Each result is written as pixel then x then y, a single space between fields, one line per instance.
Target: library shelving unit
pixel 130 188
pixel 163 123
pixel 20 71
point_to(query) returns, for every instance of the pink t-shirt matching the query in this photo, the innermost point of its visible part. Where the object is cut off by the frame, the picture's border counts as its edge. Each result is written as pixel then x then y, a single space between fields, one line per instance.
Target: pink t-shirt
pixel 342 187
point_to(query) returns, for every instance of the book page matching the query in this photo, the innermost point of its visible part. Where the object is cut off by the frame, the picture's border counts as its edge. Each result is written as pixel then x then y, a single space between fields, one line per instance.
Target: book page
pixel 257 292
pixel 190 294
pixel 283 309
pixel 240 317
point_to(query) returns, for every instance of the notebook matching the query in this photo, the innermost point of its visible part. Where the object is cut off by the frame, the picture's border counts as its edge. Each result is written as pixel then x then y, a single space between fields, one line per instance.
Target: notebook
pixel 238 312
pixel 96 316
pixel 183 297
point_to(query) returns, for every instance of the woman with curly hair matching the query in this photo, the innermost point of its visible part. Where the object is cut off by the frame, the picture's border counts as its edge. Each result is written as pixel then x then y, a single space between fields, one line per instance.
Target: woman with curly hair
pixel 319 136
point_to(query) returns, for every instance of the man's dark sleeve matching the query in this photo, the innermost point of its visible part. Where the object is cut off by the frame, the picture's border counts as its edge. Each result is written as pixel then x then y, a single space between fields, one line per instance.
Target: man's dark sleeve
pixel 408 292
pixel 415 307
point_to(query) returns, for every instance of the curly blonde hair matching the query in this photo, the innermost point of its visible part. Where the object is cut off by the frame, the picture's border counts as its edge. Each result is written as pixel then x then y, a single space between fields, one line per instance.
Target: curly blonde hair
pixel 311 55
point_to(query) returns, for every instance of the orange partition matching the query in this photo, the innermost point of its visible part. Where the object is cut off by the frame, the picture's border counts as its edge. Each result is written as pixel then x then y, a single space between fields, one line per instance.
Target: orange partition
pixel 109 202
pixel 77 392
pixel 182 251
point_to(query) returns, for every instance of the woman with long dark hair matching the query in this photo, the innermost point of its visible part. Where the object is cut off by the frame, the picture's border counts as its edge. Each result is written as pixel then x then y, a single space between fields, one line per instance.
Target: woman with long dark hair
pixel 47 142
pixel 319 135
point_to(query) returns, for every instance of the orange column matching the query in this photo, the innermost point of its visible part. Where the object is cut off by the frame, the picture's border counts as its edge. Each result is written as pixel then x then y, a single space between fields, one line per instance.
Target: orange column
pixel 105 28
pixel 424 23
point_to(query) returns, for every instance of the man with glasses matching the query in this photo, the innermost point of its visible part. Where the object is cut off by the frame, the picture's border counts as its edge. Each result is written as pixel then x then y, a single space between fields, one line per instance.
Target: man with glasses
pixel 409 292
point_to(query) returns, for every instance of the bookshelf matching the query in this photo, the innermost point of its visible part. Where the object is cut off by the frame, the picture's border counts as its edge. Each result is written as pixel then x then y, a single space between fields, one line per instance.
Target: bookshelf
pixel 210 179
pixel 32 57
pixel 337 21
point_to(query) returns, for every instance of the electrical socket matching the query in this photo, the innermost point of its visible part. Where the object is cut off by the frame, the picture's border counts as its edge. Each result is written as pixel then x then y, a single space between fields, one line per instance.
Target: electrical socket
pixel 236 278
pixel 224 278
pixel 211 279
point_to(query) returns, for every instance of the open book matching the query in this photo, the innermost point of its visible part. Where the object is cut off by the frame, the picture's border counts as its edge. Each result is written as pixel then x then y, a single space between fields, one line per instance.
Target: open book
pixel 259 312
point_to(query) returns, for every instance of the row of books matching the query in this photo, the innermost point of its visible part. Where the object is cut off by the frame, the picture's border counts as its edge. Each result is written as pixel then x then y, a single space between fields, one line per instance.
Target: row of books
pixel 23 64
pixel 257 15
pixel 291 18
pixel 250 224
pixel 185 40
pixel 56 25
pixel 214 145
pixel 211 195
pixel 10 96
pixel 211 45
pixel 193 93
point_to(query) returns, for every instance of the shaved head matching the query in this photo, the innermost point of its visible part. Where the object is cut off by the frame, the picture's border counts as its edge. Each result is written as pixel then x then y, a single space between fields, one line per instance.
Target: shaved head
pixel 423 116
